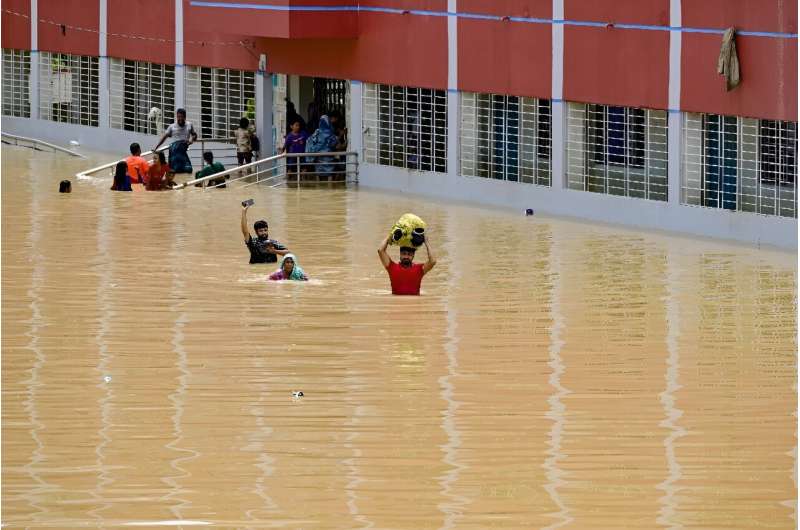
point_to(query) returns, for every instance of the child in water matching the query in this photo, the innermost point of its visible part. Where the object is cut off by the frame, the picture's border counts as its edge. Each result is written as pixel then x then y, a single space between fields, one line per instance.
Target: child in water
pixel 290 270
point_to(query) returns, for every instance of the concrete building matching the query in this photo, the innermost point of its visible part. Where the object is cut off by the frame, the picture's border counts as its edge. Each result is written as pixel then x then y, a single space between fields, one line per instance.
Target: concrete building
pixel 610 111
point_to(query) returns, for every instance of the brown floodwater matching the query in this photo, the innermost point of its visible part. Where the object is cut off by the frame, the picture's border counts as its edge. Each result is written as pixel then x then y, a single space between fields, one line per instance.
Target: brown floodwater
pixel 554 374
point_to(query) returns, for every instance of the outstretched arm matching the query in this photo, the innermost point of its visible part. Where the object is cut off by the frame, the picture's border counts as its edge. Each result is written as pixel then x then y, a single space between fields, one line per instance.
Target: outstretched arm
pixel 245 230
pixel 163 137
pixel 428 265
pixel 385 259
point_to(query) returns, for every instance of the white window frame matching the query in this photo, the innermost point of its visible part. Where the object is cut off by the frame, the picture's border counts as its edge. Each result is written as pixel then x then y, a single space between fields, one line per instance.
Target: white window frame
pixel 637 168
pixel 69 88
pixel 506 138
pixel 729 163
pixel 405 127
pixel 136 87
pixel 16 83
pixel 217 98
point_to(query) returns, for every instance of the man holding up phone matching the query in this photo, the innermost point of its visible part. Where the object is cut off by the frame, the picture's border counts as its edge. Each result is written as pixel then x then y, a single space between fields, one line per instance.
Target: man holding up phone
pixel 262 248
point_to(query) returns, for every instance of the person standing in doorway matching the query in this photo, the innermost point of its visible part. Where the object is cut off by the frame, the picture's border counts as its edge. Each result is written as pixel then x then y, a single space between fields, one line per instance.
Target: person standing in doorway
pixel 406 276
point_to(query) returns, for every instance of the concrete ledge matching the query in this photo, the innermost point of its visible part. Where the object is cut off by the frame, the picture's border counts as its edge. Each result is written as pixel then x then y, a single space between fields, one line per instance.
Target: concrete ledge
pixel 749 228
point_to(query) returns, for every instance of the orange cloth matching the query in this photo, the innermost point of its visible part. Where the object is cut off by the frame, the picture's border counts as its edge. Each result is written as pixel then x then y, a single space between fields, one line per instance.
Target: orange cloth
pixel 138 169
pixel 156 177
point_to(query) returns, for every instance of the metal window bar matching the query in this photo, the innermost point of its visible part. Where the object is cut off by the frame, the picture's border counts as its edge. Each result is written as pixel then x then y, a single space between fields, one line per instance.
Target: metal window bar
pixel 16 82
pixel 405 127
pixel 219 98
pixel 740 164
pixel 136 87
pixel 505 137
pixel 278 107
pixel 617 150
pixel 68 88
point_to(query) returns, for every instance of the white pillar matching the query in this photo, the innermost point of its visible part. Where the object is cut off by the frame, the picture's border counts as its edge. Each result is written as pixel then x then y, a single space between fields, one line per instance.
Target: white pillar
pixel 180 71
pixel 558 107
pixel 33 82
pixel 264 109
pixel 674 146
pixel 356 121
pixel 104 96
pixel 453 106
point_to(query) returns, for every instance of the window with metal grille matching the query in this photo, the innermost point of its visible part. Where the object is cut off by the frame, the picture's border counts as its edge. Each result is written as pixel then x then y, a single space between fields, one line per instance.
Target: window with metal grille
pixel 505 137
pixel 136 89
pixel 617 150
pixel 743 164
pixel 68 88
pixel 16 80
pixel 405 127
pixel 217 98
pixel 279 82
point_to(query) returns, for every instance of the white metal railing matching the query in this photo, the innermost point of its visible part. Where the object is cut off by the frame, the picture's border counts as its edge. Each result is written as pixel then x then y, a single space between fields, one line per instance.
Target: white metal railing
pixel 405 127
pixel 505 137
pixel 34 143
pixel 287 168
pixel 16 79
pixel 617 150
pixel 741 164
pixel 69 88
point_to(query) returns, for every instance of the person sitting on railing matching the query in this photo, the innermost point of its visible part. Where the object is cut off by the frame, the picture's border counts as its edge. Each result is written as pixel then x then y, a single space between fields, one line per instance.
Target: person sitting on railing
pixel 122 182
pixel 244 137
pixel 183 135
pixel 138 168
pixel 295 142
pixel 211 169
pixel 157 176
pixel 322 141
pixel 262 248
pixel 289 270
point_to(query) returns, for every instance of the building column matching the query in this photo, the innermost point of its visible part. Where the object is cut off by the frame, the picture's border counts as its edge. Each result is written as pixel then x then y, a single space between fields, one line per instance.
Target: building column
pixel 180 71
pixel 264 109
pixel 675 134
pixel 453 103
pixel 33 81
pixel 104 96
pixel 355 120
pixel 558 126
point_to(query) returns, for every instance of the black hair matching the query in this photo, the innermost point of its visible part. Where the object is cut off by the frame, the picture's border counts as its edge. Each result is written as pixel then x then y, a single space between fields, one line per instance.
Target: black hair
pixel 297 121
pixel 208 156
pixel 120 172
pixel 162 157
pixel 408 249
pixel 244 123
pixel 181 111
pixel 64 186
pixel 260 224
pixel 135 148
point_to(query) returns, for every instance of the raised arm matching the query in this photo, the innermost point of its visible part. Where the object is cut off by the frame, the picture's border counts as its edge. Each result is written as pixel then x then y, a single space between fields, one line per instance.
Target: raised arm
pixel 385 259
pixel 428 265
pixel 163 137
pixel 245 230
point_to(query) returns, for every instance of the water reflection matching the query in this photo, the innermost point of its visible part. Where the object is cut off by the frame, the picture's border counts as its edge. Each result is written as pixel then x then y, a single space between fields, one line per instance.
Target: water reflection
pixel 554 374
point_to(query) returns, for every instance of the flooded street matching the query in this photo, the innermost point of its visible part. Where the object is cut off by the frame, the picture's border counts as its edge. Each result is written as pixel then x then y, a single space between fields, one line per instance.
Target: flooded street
pixel 554 373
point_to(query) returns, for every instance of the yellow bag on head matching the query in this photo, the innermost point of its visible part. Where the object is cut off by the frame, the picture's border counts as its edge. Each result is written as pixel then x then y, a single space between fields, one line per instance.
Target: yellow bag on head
pixel 408 231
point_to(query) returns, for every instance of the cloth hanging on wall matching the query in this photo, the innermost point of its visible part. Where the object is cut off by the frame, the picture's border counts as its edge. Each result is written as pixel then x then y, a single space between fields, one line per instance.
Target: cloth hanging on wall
pixel 728 62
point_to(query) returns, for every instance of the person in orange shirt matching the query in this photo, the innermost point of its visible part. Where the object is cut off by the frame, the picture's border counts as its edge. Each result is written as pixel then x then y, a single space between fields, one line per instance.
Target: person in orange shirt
pixel 138 168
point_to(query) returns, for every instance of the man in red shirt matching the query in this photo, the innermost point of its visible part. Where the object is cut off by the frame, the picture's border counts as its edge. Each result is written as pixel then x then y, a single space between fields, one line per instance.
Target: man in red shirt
pixel 406 276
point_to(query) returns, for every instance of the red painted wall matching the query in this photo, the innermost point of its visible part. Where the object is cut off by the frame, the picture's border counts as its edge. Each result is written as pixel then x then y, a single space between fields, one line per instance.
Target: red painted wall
pixel 617 66
pixel 213 48
pixel 79 13
pixel 768 64
pixel 768 71
pixel 153 19
pixel 16 30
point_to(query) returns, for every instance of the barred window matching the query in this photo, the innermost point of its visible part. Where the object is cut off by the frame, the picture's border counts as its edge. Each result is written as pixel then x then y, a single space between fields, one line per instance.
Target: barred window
pixel 217 98
pixel 405 127
pixel 506 138
pixel 617 150
pixel 742 164
pixel 16 80
pixel 136 89
pixel 68 88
